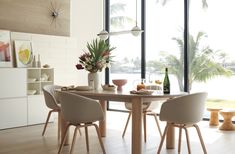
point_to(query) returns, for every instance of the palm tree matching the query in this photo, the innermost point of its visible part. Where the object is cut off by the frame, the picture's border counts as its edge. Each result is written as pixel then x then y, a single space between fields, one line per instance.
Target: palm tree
pixel 116 20
pixel 203 62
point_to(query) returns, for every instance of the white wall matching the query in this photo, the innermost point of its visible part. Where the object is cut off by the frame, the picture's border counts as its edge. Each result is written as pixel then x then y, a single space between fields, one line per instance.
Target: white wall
pixel 61 52
pixel 86 23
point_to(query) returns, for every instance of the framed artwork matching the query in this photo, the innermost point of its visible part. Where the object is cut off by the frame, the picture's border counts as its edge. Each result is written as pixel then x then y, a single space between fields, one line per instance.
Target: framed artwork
pixel 6 59
pixel 23 53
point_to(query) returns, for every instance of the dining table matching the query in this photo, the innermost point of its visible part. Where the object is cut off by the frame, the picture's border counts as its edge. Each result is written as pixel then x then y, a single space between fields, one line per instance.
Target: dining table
pixel 137 100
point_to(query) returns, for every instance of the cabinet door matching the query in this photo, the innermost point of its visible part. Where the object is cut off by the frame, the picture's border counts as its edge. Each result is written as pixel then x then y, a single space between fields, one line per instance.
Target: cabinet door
pixel 37 110
pixel 13 82
pixel 13 112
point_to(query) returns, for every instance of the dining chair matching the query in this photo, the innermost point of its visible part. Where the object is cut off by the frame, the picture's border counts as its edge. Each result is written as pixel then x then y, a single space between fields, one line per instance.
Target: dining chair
pixel 183 112
pixel 148 108
pixel 52 104
pixel 80 112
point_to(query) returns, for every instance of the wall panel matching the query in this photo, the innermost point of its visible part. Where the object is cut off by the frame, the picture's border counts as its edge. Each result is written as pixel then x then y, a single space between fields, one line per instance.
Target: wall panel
pixel 34 16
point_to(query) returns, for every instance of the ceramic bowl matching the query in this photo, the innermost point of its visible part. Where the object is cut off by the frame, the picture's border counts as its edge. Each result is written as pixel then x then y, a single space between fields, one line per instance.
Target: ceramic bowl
pixel 119 83
pixel 108 87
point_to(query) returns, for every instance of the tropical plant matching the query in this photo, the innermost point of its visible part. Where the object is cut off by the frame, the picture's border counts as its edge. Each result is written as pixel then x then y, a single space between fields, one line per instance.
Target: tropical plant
pixel 204 63
pixel 97 57
pixel 118 21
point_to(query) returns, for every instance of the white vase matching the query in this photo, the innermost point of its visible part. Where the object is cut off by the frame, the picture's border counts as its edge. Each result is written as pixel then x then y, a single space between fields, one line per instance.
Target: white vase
pixel 94 80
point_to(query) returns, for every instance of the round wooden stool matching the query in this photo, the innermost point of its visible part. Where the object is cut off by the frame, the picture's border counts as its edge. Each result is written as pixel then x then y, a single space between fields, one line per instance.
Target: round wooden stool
pixel 214 116
pixel 227 124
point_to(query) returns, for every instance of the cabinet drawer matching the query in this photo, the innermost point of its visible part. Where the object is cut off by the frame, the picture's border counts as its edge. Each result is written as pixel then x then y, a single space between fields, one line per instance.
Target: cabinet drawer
pixel 13 112
pixel 37 110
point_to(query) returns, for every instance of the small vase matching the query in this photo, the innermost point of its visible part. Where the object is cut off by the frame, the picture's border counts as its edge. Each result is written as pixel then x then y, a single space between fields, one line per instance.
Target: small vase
pixel 94 80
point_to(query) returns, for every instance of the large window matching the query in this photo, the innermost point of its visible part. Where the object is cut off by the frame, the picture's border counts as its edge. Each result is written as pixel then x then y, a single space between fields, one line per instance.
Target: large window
pixel 164 29
pixel 211 53
pixel 127 55
pixel 210 50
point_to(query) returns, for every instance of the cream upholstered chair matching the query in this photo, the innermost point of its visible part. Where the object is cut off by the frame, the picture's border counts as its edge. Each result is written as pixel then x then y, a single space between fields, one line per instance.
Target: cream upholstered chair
pixel 183 112
pixel 51 103
pixel 80 111
pixel 148 109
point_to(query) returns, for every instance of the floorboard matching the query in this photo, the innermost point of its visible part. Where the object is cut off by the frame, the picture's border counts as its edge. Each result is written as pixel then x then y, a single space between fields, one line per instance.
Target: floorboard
pixel 28 140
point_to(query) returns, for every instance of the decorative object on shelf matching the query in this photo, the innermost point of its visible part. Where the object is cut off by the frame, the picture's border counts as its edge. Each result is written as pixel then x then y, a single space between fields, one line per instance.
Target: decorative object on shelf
pixel 34 61
pixel 31 92
pixel 97 57
pixel 39 62
pixel 23 52
pixel 6 59
pixel 119 83
pixel 44 77
pixel 135 31
pixel 32 79
pixel 46 66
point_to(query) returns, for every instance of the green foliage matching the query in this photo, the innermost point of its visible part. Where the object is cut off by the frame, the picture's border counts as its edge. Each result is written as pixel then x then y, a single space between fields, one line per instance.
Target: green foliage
pixel 204 63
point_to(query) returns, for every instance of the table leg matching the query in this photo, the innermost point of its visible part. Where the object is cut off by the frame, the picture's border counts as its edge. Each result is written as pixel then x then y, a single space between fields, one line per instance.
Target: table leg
pixel 170 138
pixel 63 124
pixel 136 126
pixel 102 124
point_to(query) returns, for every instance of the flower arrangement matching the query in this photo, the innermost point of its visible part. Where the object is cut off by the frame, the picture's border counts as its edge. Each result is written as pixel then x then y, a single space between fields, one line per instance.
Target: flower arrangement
pixel 97 57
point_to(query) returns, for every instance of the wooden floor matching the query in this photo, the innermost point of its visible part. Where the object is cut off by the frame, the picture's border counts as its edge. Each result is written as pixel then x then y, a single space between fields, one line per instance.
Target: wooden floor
pixel 28 140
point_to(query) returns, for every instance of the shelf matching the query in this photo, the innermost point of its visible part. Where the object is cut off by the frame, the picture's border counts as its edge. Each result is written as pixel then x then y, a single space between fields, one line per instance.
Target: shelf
pixel 39 77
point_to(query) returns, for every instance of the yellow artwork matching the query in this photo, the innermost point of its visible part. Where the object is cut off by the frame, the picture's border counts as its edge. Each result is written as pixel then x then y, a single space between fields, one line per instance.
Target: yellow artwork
pixel 24 53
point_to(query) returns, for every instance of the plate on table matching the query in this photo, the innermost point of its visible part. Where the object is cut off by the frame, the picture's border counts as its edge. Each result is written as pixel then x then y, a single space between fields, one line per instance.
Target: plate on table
pixel 108 87
pixel 83 88
pixel 142 92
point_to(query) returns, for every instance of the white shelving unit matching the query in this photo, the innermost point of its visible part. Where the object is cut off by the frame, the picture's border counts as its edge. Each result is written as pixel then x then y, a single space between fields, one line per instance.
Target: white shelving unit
pixel 37 78
pixel 17 108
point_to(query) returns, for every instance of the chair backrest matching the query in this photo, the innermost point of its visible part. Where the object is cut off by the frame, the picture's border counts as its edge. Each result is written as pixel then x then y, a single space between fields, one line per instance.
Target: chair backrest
pixel 186 109
pixel 49 96
pixel 78 109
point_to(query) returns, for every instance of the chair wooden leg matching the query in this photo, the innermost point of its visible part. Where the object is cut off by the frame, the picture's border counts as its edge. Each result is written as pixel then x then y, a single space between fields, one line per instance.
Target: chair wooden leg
pixel 163 138
pixel 63 139
pixel 80 131
pixel 144 121
pixel 158 125
pixel 87 139
pixel 74 140
pixel 123 134
pixel 99 137
pixel 187 138
pixel 200 137
pixel 59 125
pixel 179 142
pixel 45 126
